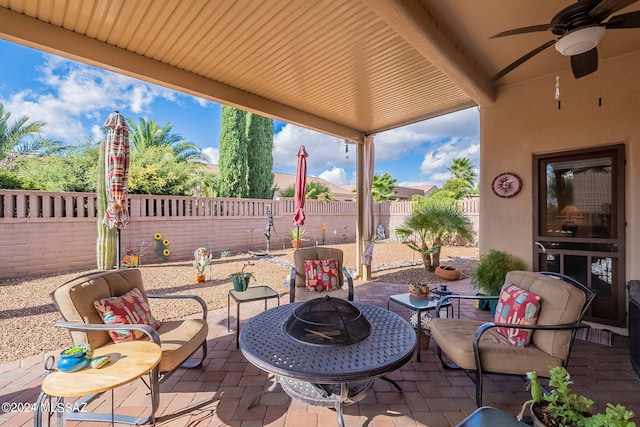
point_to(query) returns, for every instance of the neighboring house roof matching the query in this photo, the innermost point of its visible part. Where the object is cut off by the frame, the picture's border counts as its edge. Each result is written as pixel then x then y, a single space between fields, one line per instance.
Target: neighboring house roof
pixel 405 193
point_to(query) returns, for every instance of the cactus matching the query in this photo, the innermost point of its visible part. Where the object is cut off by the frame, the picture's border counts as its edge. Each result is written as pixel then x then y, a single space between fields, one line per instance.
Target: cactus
pixel 106 244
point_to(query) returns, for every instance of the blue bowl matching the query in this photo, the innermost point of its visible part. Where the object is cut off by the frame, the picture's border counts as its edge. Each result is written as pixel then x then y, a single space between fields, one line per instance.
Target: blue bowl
pixel 72 364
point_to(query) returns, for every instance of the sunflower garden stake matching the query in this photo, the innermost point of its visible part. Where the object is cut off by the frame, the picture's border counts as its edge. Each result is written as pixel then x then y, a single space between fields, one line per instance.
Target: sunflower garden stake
pixel 161 246
pixel 202 259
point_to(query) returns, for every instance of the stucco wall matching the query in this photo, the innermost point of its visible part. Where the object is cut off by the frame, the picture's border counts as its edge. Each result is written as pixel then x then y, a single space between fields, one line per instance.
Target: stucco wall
pixel 525 121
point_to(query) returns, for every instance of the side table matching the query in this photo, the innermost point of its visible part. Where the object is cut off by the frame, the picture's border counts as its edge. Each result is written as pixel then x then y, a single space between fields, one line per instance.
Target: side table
pixel 255 293
pixel 419 305
pixel 129 361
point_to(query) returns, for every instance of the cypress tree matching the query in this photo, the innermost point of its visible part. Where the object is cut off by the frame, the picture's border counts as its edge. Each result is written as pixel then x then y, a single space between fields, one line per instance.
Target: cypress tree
pixel 232 178
pixel 260 156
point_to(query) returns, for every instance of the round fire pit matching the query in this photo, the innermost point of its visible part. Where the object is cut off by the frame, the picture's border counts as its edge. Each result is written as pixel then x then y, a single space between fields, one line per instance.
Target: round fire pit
pixel 327 321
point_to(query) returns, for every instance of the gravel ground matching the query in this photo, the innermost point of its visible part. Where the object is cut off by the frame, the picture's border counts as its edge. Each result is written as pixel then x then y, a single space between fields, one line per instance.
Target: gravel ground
pixel 27 314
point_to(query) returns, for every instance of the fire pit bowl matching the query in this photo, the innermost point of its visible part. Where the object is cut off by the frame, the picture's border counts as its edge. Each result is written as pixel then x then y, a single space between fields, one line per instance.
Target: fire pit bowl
pixel 327 321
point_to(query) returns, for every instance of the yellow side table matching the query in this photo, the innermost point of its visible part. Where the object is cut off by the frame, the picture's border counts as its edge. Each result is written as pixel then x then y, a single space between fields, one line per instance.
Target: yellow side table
pixel 129 361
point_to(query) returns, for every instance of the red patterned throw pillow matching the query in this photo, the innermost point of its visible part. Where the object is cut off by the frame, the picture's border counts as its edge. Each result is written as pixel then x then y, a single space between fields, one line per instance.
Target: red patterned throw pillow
pixel 321 274
pixel 130 308
pixel 518 307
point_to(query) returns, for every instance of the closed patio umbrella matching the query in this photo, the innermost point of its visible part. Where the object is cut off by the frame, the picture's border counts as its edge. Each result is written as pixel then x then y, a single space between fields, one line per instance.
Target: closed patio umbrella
pixel 301 184
pixel 116 176
pixel 117 170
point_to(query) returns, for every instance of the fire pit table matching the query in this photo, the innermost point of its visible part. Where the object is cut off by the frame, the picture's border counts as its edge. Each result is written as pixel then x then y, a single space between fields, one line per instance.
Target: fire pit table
pixel 324 374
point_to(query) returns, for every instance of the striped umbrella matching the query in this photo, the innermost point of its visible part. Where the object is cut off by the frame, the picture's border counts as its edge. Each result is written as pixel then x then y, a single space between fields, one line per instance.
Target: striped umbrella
pixel 116 171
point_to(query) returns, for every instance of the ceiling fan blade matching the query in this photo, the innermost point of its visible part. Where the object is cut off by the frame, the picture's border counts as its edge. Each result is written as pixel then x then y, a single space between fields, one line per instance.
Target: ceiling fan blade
pixel 607 7
pixel 521 60
pixel 585 63
pixel 531 29
pixel 625 20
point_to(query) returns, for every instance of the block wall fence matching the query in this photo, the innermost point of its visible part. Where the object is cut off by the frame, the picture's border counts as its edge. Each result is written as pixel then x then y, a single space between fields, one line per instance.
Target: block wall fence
pixel 46 232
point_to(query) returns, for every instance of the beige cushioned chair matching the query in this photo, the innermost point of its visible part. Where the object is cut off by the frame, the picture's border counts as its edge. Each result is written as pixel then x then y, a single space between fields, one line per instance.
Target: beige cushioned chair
pixel 297 288
pixel 478 348
pixel 178 339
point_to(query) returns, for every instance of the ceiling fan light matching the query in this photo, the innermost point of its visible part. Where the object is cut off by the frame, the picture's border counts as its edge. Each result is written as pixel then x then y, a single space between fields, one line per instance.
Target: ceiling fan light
pixel 580 41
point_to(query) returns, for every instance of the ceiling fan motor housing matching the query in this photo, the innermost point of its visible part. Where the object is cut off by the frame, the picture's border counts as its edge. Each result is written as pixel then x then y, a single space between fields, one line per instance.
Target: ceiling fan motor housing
pixel 580 40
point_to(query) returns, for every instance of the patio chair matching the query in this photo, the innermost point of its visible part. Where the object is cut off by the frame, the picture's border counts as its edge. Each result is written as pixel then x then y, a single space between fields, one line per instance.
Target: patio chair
pixel 178 339
pixel 482 348
pixel 298 282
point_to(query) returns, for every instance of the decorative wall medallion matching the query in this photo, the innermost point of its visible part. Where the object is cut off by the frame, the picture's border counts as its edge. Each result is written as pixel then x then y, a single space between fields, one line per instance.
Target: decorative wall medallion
pixel 506 184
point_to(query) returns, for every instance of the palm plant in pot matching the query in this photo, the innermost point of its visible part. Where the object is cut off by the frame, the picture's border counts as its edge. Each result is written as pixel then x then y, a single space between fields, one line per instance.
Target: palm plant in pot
pixel 429 224
pixel 492 269
pixel 563 408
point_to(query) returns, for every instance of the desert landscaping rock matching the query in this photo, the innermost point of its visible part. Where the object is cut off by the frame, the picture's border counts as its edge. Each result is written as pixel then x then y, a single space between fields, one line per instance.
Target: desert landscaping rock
pixel 27 314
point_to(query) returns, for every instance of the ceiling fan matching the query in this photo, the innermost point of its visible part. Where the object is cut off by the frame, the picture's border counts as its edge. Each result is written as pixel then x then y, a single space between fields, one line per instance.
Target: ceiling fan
pixel 579 28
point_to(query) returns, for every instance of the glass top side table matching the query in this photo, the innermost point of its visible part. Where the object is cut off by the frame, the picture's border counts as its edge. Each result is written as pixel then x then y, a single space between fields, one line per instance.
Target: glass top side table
pixel 255 293
pixel 419 305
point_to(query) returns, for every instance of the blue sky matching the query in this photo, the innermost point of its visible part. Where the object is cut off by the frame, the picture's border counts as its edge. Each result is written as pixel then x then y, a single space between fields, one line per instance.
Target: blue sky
pixel 75 99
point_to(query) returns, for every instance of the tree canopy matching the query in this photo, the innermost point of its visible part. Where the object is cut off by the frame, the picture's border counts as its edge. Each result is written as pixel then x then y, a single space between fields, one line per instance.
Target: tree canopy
pixel 259 156
pixel 148 134
pixel 232 179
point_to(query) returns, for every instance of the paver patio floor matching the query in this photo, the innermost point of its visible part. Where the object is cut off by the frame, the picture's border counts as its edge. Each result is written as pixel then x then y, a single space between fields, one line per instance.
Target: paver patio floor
pixel 218 394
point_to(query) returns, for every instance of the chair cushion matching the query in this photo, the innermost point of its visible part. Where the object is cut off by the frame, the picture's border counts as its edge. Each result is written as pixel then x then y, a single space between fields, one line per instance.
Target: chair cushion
pixel 180 338
pixel 560 303
pixel 130 308
pixel 321 275
pixel 455 339
pixel 315 252
pixel 519 307
pixel 75 298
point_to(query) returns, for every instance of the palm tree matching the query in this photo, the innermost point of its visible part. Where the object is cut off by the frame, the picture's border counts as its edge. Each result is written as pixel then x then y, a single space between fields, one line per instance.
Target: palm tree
pixel 383 187
pixel 462 182
pixel 319 192
pixel 20 137
pixel 315 191
pixel 149 134
pixel 431 223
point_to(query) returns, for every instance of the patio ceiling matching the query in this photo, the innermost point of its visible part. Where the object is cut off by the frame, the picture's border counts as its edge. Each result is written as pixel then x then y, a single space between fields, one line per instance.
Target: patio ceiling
pixel 345 67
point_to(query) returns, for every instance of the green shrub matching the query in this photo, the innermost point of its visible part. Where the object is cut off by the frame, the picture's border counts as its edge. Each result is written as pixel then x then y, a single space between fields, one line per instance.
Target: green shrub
pixel 492 269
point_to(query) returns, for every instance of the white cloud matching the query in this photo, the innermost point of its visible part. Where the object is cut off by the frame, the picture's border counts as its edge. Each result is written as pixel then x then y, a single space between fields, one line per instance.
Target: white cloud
pixel 436 161
pixel 397 143
pixel 212 154
pixel 73 92
pixel 324 151
pixel 337 176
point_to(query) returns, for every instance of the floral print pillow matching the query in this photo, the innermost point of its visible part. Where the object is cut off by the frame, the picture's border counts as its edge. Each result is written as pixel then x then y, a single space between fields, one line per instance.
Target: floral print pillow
pixel 130 308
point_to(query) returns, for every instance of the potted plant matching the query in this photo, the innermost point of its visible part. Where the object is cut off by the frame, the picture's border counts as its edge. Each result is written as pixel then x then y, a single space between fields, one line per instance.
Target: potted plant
pixel 562 407
pixel 202 259
pixel 429 224
pixel 297 235
pixel 489 275
pixel 241 279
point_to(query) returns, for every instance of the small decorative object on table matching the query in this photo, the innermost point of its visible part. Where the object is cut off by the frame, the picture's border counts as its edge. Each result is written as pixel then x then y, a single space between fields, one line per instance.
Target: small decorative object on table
pixel 202 259
pixel 241 279
pixel 562 406
pixel 75 357
pixel 425 323
pixel 419 290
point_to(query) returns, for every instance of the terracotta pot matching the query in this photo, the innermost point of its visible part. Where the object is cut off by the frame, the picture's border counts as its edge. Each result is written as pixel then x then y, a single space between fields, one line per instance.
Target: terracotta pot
pixel 200 278
pixel 447 273
pixel 424 341
pixel 296 244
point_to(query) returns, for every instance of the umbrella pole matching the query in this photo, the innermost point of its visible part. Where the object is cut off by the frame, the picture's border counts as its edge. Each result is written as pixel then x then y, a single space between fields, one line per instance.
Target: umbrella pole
pixel 118 249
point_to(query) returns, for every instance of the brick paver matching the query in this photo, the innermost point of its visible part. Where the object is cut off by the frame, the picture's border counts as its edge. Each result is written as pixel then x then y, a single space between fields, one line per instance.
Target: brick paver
pixel 218 394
